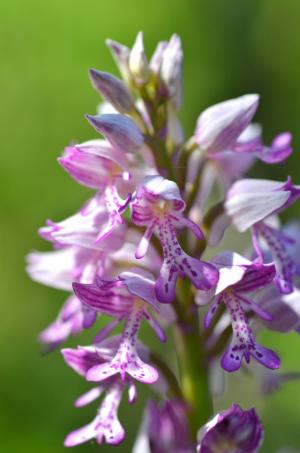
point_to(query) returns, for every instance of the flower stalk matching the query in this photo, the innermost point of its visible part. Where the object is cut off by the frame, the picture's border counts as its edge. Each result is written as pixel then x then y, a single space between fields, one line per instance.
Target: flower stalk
pixel 193 365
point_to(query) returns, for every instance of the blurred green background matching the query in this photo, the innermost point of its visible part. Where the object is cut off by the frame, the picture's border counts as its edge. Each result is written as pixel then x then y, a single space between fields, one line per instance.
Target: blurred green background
pixel 231 47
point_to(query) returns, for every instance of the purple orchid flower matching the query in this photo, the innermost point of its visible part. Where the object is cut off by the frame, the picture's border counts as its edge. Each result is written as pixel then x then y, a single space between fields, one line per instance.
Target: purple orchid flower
pixel 58 269
pixel 81 259
pixel 97 165
pixel 239 276
pixel 229 144
pixel 158 205
pixel 249 203
pixel 71 320
pixel 233 430
pixel 284 308
pixel 92 227
pixel 164 429
pixel 106 424
pixel 127 297
pixel 221 128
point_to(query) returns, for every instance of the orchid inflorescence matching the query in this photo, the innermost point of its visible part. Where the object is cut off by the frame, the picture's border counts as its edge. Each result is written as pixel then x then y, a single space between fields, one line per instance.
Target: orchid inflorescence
pixel 133 252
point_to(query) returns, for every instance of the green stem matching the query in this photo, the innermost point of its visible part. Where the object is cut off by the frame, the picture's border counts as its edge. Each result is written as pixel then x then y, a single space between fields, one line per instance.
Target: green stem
pixel 192 361
pixel 161 155
pixel 174 388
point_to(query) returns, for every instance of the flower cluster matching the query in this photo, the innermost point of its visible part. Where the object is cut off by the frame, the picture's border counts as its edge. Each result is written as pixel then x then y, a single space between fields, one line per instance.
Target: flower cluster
pixel 133 253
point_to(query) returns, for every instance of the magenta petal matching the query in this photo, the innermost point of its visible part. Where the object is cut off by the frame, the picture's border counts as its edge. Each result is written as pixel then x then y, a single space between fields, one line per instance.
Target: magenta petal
pixel 219 126
pixel 89 317
pixel 185 222
pixel 252 200
pixel 106 424
pixel 81 435
pixel 231 361
pixel 140 284
pixel 243 344
pixel 256 276
pixel 136 368
pixel 114 302
pixel 126 359
pixel 266 357
pixel 145 241
pixel 100 372
pixel 81 359
pixel 88 397
pixel 212 311
pixel 255 308
pixel 156 327
pixel 280 249
pixel 105 331
pixel 132 392
pixel 165 285
pixel 279 150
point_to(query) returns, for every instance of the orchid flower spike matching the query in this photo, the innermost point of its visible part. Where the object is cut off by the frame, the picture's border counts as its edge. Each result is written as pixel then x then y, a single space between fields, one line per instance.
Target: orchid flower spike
pixel 121 255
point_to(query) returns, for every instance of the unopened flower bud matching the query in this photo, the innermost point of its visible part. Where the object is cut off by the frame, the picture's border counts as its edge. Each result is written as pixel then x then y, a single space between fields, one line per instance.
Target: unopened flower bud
pixel 113 90
pixel 120 54
pixel 171 70
pixel 120 131
pixel 138 63
pixel 234 430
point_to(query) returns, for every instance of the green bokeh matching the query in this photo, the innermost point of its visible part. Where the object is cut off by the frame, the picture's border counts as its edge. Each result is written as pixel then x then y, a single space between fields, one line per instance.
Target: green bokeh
pixel 231 47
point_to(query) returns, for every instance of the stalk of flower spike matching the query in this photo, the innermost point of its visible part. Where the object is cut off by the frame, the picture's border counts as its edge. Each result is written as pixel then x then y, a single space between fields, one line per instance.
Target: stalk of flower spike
pixel 192 360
